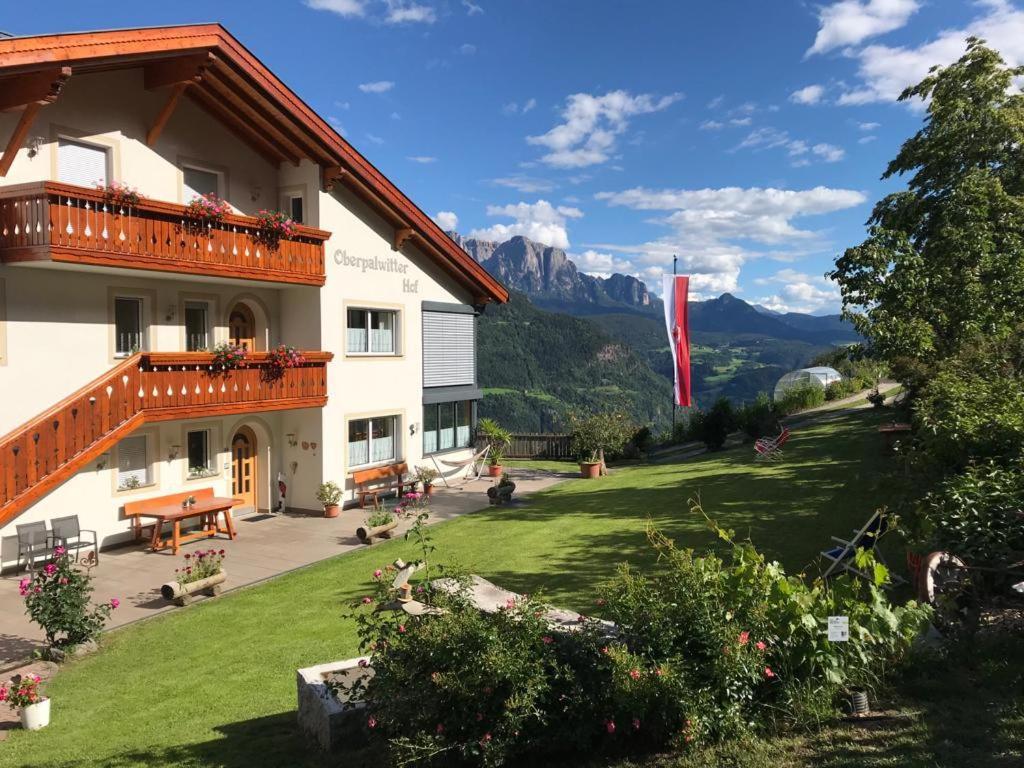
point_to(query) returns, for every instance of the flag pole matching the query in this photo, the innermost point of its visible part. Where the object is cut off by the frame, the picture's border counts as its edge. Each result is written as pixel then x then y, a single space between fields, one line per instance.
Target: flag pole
pixel 675 260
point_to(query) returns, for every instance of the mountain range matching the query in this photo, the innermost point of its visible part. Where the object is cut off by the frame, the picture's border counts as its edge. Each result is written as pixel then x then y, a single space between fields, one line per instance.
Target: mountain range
pixel 575 341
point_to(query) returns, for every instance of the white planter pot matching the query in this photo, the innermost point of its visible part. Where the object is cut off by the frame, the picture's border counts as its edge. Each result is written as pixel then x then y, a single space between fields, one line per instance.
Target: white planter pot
pixel 36 716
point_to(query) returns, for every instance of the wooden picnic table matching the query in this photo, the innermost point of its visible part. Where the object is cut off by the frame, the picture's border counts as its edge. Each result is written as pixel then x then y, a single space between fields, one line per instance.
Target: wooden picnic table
pixel 206 509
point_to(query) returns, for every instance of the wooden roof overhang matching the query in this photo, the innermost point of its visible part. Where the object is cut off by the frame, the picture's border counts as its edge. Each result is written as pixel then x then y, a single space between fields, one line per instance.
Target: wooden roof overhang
pixel 205 63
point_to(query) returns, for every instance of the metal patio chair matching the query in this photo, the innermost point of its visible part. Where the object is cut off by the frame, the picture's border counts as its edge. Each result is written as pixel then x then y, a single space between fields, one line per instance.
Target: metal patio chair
pixel 33 541
pixel 67 532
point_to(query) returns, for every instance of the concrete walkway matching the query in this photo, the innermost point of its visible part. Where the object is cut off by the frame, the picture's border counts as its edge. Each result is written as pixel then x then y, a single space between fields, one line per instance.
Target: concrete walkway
pixel 266 546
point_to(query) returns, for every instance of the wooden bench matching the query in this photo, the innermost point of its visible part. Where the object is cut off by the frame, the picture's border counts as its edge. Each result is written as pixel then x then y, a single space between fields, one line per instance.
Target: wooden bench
pixel 169 509
pixel 373 482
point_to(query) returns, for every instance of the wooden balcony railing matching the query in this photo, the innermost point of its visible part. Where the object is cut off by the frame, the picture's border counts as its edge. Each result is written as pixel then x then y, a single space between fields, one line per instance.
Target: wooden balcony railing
pixel 51 221
pixel 147 387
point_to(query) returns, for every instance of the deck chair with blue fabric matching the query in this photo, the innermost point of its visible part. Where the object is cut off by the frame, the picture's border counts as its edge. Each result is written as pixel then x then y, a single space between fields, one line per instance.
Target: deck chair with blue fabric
pixel 843 556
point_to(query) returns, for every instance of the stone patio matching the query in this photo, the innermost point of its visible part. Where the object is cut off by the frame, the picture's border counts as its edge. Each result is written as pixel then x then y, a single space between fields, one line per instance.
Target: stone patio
pixel 266 546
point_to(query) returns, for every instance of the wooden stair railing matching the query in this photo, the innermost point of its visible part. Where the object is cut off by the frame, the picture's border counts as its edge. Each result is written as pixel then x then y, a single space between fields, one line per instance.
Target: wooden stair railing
pixel 148 387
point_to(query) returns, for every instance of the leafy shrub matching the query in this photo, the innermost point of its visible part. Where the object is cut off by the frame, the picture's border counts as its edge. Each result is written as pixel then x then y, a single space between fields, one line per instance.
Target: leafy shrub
pixel 975 514
pixel 497 438
pixel 642 439
pixel 57 599
pixel 707 648
pixel 837 390
pixel 601 433
pixel 758 418
pixel 714 427
pixel 800 398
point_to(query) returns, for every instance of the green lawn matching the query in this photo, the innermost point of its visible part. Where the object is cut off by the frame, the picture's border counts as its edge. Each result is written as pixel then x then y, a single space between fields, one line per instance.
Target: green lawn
pixel 213 684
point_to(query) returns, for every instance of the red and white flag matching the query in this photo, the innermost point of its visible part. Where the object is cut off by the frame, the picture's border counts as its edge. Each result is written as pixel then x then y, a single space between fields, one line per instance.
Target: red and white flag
pixel 677 322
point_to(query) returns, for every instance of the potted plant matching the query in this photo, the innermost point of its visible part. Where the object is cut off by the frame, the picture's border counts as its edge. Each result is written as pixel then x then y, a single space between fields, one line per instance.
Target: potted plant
pixel 119 195
pixel 498 440
pixel 23 694
pixel 593 435
pixel 203 572
pixel 272 226
pixel 426 477
pixel 329 494
pixel 280 359
pixel 228 357
pixel 379 524
pixel 206 210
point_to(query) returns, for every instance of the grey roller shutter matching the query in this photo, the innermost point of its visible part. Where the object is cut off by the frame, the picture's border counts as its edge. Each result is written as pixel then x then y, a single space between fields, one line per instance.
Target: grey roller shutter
pixel 81 164
pixel 449 349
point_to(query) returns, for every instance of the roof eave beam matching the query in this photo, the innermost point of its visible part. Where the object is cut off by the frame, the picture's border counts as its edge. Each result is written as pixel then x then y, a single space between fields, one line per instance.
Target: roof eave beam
pixel 28 116
pixel 179 74
pixel 38 88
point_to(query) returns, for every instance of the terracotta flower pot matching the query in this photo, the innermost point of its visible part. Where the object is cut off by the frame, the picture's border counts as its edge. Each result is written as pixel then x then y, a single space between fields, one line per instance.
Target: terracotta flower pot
pixel 494 470
pixel 428 489
pixel 332 510
pixel 590 469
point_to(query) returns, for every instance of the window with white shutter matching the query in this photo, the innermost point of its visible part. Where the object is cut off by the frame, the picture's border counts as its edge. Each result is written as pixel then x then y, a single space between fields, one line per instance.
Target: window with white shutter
pixel 80 163
pixel 199 183
pixel 132 463
pixel 449 349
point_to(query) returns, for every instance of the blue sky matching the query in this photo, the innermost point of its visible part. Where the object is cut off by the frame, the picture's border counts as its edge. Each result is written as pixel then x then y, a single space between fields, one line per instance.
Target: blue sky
pixel 746 136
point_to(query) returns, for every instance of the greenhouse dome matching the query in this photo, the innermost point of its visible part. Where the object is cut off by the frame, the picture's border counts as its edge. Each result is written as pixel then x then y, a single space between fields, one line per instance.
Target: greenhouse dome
pixel 820 376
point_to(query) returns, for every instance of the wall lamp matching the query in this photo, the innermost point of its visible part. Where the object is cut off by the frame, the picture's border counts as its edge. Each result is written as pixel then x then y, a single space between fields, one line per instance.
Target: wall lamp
pixel 292 440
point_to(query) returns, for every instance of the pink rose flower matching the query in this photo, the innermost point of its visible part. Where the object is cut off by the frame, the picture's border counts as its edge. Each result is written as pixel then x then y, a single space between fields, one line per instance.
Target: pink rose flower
pixel 377 574
pixel 114 602
pixel 371 722
pixel 768 673
pixel 635 674
pixel 760 645
pixel 367 601
pixel 744 638
pixel 49 569
pixel 609 725
pixel 548 640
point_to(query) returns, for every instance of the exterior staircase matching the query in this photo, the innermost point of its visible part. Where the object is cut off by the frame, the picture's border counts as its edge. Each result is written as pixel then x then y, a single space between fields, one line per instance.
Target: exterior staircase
pixel 147 387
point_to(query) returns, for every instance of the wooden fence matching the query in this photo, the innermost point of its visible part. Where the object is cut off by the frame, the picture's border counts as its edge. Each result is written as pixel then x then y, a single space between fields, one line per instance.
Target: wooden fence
pixel 540 446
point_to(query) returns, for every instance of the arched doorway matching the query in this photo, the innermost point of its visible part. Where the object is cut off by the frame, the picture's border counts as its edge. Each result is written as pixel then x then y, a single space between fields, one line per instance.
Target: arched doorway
pixel 242 326
pixel 244 467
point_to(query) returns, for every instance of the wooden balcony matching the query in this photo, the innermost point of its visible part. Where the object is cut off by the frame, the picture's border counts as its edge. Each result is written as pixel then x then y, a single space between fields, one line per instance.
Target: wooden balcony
pixel 50 221
pixel 147 387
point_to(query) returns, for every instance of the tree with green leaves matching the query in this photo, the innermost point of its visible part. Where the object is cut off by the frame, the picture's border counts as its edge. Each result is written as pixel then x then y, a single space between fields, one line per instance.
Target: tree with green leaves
pixel 943 263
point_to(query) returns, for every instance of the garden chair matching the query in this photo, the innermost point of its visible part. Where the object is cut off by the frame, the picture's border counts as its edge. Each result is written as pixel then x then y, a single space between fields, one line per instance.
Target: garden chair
pixel 33 541
pixel 770 448
pixel 67 532
pixel 476 461
pixel 843 556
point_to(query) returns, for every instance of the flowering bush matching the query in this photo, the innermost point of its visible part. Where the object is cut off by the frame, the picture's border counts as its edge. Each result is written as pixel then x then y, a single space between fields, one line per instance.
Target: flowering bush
pixel 705 649
pixel 57 599
pixel 413 503
pixel 22 691
pixel 228 357
pixel 281 358
pixel 272 226
pixel 119 194
pixel 207 209
pixel 200 565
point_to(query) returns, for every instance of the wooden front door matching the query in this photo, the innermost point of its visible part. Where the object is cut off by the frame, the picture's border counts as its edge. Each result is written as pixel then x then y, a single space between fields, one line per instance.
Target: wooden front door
pixel 243 467
pixel 242 327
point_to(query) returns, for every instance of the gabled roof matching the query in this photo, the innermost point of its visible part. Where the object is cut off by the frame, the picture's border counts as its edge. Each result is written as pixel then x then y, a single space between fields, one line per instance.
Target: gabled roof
pixel 207 64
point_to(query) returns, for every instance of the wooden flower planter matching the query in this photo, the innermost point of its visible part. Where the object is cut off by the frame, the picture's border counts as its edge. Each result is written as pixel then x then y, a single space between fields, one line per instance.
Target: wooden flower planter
pixel 182 594
pixel 367 535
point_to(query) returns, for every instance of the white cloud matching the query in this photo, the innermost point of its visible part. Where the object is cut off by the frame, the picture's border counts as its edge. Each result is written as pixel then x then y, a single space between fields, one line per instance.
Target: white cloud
pixel 467 49
pixel 866 139
pixel 773 138
pixel 741 121
pixel 799 292
pixel 342 104
pixel 716 102
pixel 869 126
pixel 530 104
pixel 528 185
pixel 601 264
pixel 336 124
pixel 377 86
pixel 850 22
pixel 591 124
pixel 715 231
pixel 374 138
pixel 405 12
pixel 345 8
pixel 472 9
pixel 885 71
pixel 422 159
pixel 810 94
pixel 711 125
pixel 395 116
pixel 514 108
pixel 539 221
pixel 447 220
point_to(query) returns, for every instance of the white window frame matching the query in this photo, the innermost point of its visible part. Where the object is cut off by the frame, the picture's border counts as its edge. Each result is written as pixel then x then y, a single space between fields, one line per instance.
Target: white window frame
pixel 186 166
pixel 396 453
pixel 207 329
pixel 143 325
pixel 396 320
pixel 150 476
pixel 289 200
pixel 210 470
pixel 456 445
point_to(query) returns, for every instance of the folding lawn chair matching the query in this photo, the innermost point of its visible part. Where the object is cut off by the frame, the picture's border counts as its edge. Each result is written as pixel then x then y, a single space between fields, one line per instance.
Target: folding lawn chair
pixel 843 557
pixel 770 448
pixel 476 461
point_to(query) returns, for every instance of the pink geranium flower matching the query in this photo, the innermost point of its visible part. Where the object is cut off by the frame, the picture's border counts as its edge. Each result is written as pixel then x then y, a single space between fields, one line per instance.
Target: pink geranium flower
pixel 744 637
pixel 635 674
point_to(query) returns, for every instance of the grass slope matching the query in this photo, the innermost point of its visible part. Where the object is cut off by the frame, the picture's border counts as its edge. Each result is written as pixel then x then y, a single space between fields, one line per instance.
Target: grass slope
pixel 213 684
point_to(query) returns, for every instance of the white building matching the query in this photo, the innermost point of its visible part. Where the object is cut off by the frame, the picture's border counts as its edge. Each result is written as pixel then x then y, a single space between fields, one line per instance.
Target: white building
pixel 107 306
pixel 819 376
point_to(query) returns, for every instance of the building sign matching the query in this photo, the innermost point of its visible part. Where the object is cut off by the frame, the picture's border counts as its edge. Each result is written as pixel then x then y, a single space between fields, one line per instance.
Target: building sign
pixel 390 264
